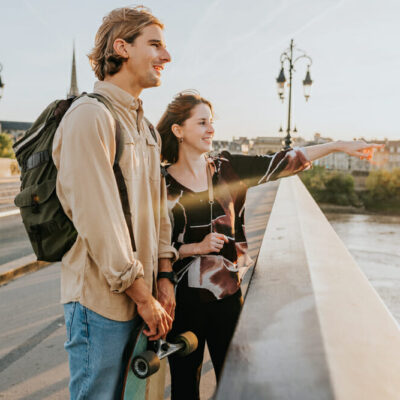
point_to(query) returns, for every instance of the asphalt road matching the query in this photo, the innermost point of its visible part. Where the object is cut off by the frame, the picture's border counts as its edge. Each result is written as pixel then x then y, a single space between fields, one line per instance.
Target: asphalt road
pixel 33 363
pixel 14 242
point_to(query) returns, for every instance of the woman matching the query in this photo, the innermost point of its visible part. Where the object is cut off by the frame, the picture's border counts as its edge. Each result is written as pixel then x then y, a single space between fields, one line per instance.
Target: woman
pixel 208 220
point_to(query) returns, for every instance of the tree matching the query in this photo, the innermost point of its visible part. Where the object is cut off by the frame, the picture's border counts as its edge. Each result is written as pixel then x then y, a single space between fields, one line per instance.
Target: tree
pixel 330 187
pixel 314 180
pixel 383 184
pixel 6 143
pixel 340 189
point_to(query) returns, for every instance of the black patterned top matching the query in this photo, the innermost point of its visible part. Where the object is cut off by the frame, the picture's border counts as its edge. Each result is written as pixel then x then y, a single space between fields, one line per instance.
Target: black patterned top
pixel 214 277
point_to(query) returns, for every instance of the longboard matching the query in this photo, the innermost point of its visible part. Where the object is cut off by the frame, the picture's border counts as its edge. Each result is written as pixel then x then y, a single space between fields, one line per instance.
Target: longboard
pixel 145 360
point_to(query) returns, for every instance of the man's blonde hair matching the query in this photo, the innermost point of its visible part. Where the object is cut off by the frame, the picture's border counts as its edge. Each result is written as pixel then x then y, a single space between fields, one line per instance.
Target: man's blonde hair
pixel 124 23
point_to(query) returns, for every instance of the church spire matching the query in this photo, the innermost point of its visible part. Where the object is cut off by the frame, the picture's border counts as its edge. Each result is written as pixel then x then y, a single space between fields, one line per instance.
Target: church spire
pixel 73 91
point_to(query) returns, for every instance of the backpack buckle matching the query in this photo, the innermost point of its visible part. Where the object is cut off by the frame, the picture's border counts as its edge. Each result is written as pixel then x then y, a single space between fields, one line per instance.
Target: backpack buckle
pixel 35 204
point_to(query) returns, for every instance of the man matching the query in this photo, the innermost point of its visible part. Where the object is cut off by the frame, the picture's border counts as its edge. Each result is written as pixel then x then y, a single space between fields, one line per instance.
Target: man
pixel 104 283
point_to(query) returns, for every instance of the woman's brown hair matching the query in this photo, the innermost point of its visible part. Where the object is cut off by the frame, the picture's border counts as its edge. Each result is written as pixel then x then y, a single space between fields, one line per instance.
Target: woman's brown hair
pixel 124 23
pixel 177 112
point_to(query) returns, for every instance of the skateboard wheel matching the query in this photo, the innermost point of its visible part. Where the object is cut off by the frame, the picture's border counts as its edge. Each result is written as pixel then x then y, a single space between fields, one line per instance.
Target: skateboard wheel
pixel 189 339
pixel 145 364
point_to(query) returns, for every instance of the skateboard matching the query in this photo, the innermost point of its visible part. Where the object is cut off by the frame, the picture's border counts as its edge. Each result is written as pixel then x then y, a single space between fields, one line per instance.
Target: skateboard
pixel 145 360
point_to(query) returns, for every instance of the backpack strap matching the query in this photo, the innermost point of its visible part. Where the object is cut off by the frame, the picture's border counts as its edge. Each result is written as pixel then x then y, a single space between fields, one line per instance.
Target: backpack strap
pixel 119 177
pixel 123 191
pixel 118 138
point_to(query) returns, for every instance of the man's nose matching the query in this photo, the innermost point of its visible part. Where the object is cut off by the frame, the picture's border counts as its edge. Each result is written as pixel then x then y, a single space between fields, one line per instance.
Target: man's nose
pixel 166 57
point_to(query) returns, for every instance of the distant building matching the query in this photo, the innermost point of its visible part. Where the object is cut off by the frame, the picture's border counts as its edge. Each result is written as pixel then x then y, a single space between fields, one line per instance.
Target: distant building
pixel 387 157
pixel 240 145
pixel 220 145
pixel 236 146
pixel 73 90
pixel 14 128
pixel 266 145
pixel 318 139
pixel 259 146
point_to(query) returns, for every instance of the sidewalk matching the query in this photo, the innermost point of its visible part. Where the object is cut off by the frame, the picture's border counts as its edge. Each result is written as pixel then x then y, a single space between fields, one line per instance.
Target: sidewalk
pixel 20 267
pixel 9 188
pixel 5 166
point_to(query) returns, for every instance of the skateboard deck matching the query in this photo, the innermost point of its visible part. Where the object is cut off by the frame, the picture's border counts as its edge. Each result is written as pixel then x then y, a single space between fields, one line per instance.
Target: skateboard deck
pixel 145 360
pixel 134 387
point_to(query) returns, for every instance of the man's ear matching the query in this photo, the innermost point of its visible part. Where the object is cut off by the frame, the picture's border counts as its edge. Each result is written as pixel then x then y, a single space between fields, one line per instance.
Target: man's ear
pixel 176 130
pixel 120 48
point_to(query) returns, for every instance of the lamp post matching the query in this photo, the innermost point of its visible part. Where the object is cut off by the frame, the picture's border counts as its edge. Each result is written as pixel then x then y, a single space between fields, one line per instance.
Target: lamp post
pixel 1 83
pixel 288 57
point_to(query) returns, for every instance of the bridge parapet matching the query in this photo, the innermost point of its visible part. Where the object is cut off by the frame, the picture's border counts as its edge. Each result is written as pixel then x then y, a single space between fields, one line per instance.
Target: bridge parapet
pixel 312 326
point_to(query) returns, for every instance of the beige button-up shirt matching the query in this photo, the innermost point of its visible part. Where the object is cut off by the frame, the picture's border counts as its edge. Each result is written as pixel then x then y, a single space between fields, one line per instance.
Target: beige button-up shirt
pixel 101 264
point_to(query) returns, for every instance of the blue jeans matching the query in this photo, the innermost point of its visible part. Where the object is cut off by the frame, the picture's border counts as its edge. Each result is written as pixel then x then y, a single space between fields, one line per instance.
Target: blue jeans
pixel 98 352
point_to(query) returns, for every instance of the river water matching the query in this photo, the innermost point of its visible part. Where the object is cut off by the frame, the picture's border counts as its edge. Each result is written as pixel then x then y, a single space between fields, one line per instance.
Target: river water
pixel 374 242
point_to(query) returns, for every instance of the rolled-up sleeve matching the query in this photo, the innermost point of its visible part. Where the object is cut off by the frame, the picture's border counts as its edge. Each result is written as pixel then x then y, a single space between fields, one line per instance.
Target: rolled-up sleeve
pixel 84 151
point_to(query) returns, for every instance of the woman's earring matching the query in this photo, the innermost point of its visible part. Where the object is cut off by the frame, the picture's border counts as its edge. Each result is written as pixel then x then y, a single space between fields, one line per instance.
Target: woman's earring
pixel 180 140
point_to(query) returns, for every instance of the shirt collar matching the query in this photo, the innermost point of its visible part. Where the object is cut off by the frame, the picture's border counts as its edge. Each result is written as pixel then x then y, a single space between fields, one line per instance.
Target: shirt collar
pixel 118 95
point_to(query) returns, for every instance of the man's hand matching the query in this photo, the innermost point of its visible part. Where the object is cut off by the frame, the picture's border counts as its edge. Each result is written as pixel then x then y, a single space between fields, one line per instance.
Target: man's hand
pixel 166 295
pixel 166 292
pixel 158 321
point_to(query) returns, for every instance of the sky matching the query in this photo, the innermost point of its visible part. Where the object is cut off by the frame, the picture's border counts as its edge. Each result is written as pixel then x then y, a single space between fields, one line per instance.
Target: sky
pixel 229 50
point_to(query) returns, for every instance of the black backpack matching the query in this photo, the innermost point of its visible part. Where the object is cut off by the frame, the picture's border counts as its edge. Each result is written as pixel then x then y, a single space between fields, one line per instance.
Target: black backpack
pixel 49 229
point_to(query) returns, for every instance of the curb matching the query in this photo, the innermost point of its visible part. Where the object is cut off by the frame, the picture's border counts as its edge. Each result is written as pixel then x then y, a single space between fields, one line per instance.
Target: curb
pixel 18 271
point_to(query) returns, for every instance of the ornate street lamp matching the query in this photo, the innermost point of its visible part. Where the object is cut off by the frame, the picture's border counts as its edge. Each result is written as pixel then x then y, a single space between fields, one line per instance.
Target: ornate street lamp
pixel 288 57
pixel 1 83
pixel 307 84
pixel 281 80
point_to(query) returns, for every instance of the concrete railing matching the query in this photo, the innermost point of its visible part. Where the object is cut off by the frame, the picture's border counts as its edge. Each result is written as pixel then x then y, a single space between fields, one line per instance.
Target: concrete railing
pixel 312 326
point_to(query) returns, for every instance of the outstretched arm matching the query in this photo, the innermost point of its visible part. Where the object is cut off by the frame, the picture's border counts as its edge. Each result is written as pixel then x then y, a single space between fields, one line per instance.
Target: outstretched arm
pixel 260 169
pixel 357 148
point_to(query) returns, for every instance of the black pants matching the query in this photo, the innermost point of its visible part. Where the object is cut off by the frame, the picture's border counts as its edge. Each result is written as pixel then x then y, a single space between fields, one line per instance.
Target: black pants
pixel 213 322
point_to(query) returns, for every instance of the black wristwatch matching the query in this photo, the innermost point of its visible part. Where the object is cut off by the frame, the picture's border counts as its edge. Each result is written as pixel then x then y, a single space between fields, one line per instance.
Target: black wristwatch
pixel 169 275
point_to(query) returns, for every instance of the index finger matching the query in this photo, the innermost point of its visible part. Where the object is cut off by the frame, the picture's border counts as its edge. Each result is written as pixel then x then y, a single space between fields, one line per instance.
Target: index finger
pixel 226 240
pixel 150 331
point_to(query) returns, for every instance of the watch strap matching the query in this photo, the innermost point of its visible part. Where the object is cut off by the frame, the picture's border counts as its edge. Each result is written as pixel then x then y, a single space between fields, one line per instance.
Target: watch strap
pixel 169 275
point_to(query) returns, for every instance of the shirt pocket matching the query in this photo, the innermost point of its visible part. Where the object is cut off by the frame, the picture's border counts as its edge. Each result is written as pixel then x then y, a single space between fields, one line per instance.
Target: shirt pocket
pixel 130 160
pixel 153 159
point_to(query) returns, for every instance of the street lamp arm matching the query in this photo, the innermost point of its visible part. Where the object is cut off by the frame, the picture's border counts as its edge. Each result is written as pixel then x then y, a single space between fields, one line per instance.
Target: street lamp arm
pixel 303 56
pixel 285 57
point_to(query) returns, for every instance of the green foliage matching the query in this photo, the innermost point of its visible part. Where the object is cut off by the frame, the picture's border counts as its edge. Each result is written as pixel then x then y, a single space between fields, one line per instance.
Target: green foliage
pixel 314 179
pixel 383 191
pixel 330 187
pixel 6 143
pixel 340 189
pixel 384 185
